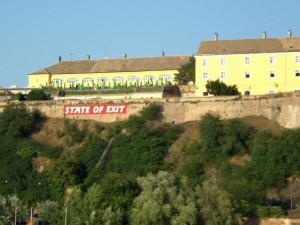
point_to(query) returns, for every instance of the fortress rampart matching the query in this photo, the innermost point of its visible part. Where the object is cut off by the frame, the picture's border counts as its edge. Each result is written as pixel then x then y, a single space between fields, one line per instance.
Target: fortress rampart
pixel 282 108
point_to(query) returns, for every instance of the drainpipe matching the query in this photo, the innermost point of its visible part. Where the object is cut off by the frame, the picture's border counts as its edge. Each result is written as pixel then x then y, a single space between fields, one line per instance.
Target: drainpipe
pixel 49 77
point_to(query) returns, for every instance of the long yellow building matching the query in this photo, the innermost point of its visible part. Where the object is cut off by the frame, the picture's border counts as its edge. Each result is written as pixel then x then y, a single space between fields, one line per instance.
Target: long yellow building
pixel 256 66
pixel 108 72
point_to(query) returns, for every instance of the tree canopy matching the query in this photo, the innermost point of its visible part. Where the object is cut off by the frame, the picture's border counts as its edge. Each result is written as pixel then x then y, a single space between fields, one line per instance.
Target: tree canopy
pixel 186 72
pixel 218 87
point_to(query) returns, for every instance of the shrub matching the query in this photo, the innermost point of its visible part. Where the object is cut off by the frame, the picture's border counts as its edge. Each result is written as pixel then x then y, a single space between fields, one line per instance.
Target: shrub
pixel 152 111
pixel 269 211
pixel 37 94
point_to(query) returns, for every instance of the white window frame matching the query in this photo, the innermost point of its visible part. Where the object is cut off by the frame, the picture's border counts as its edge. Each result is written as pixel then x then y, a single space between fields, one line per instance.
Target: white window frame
pixel 205 62
pixel 103 79
pixel 87 80
pixel 247 61
pixel 297 73
pixel 272 60
pixel 165 77
pixel 247 73
pixel 297 59
pixel 222 75
pixel 133 78
pixel 223 61
pixel 271 92
pixel 57 81
pixel 118 79
pixel 205 76
pixel 148 78
pixel 72 80
pixel 272 72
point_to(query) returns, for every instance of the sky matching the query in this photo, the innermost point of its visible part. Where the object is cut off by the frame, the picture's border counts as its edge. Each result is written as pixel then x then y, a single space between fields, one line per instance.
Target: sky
pixel 35 32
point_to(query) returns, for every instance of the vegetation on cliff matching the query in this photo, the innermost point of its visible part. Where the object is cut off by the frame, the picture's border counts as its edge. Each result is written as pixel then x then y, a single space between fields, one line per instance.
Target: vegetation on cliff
pixel 223 173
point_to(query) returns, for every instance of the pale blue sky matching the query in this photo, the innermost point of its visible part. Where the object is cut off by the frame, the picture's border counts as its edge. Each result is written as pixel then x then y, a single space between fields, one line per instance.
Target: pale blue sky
pixel 35 32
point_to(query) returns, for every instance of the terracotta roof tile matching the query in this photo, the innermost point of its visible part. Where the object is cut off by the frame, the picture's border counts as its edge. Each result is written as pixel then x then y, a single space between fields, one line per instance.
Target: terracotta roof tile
pixel 248 46
pixel 115 65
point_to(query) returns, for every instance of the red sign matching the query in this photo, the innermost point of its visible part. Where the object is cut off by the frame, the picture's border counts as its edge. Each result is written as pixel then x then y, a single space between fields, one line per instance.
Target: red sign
pixel 95 109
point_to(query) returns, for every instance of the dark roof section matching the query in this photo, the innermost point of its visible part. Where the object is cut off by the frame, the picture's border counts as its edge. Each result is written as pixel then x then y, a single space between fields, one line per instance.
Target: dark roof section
pixel 115 65
pixel 248 46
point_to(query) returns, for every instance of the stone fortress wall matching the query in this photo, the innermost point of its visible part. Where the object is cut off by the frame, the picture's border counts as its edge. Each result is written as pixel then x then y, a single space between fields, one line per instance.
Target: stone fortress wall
pixel 282 108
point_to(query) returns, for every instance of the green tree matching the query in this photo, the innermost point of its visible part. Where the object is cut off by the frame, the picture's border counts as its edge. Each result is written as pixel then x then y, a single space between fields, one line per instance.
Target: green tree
pixel 152 111
pixel 164 200
pixel 50 211
pixel 9 205
pixel 37 94
pixel 211 131
pixel 186 72
pixel 218 87
pixel 16 121
pixel 216 206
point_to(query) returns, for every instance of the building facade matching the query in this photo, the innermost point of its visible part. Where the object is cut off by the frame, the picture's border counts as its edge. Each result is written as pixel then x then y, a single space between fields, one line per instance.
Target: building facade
pixel 256 66
pixel 108 72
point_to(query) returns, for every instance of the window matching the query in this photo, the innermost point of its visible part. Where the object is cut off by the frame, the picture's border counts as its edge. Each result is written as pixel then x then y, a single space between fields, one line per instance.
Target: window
pixel 149 77
pixel 297 59
pixel 222 75
pixel 205 93
pixel 271 91
pixel 133 78
pixel 118 79
pixel 223 62
pixel 205 76
pixel 297 73
pixel 72 80
pixel 87 80
pixel 205 62
pixel 247 74
pixel 272 60
pixel 246 92
pixel 102 79
pixel 247 61
pixel 165 77
pixel 272 73
pixel 57 81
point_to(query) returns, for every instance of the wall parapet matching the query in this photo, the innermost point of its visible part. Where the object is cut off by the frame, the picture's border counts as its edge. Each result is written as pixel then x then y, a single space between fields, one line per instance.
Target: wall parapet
pixel 284 109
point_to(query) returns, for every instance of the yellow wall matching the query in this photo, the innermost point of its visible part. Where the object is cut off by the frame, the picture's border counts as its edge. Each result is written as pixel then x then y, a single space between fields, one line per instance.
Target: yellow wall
pixel 260 81
pixel 38 80
pixel 42 79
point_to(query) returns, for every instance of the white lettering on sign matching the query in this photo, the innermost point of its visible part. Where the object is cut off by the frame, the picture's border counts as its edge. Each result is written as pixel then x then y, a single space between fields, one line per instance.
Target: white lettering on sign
pixel 95 109
pixel 115 109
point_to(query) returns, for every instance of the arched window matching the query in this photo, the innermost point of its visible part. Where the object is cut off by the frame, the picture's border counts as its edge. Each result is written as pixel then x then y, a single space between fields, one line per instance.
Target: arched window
pixel 149 77
pixel 165 77
pixel 72 80
pixel 118 79
pixel 88 80
pixel 102 79
pixel 57 81
pixel 133 78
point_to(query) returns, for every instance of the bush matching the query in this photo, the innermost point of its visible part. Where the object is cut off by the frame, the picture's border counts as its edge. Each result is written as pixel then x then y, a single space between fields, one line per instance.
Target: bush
pixel 152 111
pixel 269 211
pixel 74 132
pixel 218 87
pixel 37 94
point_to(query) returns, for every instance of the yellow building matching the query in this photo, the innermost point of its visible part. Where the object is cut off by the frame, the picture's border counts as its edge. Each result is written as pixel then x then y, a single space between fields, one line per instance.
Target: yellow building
pixel 108 72
pixel 256 66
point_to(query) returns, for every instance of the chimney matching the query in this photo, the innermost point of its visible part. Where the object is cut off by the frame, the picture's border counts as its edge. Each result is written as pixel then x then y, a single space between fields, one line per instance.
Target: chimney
pixel 289 34
pixel 124 55
pixel 264 35
pixel 162 53
pixel 59 59
pixel 216 36
pixel 88 56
